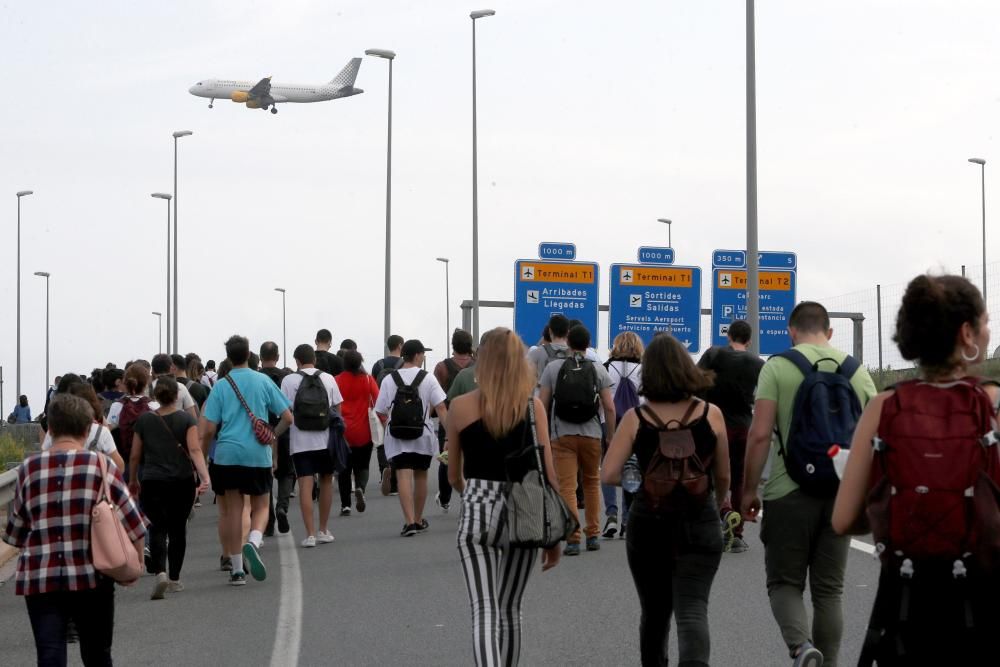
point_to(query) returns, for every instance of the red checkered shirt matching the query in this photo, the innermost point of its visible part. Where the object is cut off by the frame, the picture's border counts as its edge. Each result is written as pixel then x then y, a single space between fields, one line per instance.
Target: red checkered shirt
pixel 50 519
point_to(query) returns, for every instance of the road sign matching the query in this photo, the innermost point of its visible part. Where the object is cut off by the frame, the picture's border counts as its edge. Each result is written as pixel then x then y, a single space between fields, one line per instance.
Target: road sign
pixel 651 255
pixel 649 299
pixel 558 251
pixel 777 280
pixel 544 288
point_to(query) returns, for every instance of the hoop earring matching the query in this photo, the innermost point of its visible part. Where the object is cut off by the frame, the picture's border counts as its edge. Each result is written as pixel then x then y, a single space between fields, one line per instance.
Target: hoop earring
pixel 974 357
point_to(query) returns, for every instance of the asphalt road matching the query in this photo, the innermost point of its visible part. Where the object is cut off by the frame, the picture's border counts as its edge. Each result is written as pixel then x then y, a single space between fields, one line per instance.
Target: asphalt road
pixel 374 598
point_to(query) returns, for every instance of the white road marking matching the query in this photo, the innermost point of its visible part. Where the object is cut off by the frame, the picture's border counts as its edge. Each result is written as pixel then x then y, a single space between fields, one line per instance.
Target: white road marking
pixel 288 633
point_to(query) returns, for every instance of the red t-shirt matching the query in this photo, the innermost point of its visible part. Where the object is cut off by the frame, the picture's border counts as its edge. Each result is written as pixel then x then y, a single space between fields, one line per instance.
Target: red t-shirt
pixel 359 393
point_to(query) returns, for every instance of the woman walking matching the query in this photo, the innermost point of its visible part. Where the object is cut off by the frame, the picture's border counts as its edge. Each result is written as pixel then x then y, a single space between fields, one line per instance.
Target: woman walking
pixel 484 427
pixel 166 452
pixel 674 542
pixel 624 365
pixel 49 521
pixel 359 392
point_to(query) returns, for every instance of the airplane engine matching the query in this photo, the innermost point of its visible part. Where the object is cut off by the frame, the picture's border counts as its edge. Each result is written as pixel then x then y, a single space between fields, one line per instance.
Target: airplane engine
pixel 239 97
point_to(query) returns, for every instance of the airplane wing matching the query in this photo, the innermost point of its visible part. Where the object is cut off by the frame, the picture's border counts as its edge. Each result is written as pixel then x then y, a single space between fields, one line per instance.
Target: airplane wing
pixel 262 88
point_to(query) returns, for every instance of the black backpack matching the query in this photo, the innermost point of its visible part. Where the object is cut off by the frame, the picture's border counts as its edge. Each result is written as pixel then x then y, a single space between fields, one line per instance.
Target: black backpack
pixel 311 408
pixel 575 395
pixel 386 370
pixel 406 417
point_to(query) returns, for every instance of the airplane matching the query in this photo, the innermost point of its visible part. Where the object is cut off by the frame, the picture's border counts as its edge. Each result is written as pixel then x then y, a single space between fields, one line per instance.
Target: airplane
pixel 264 94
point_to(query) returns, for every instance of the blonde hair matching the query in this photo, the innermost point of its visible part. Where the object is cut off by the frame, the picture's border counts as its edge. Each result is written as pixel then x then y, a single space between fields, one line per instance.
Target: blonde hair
pixel 506 381
pixel 627 345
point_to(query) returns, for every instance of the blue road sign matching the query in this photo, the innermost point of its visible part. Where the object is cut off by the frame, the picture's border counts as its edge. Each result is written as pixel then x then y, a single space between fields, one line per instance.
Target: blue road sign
pixel 649 299
pixel 544 288
pixel 558 251
pixel 651 255
pixel 777 280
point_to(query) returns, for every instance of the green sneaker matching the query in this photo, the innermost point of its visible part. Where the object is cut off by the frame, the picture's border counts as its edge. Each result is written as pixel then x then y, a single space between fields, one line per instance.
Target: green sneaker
pixel 251 558
pixel 729 522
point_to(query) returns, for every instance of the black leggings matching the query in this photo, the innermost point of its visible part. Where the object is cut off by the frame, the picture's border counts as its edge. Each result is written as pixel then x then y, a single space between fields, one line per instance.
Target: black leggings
pixel 358 464
pixel 167 505
pixel 91 610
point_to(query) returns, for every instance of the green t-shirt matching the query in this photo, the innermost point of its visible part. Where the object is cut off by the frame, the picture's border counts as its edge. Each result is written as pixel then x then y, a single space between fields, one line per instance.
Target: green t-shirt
pixel 464 382
pixel 778 381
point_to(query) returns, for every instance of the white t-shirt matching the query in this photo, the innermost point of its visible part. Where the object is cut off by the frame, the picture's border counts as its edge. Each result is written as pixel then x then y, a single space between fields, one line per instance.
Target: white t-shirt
pixel 116 410
pixel 309 441
pixel 105 443
pixel 431 395
pixel 184 400
pixel 209 379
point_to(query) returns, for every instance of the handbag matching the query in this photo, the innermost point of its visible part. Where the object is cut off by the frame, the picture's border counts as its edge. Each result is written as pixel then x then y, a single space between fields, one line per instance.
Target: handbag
pixel 375 425
pixel 336 444
pixel 113 552
pixel 534 514
pixel 261 429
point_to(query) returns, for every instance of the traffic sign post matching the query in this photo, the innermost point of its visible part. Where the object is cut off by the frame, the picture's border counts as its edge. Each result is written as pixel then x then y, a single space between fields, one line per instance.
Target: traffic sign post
pixel 544 288
pixel 647 299
pixel 777 280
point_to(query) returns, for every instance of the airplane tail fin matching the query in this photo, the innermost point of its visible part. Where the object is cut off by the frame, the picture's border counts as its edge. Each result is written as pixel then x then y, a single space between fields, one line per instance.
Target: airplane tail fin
pixel 347 75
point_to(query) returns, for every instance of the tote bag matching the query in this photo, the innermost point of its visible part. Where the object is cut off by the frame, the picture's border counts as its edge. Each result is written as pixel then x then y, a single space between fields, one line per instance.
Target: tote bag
pixel 113 552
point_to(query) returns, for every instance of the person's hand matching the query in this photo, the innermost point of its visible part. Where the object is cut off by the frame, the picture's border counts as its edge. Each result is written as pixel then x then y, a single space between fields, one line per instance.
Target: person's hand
pixel 274 464
pixel 550 557
pixel 134 487
pixel 751 506
pixel 205 484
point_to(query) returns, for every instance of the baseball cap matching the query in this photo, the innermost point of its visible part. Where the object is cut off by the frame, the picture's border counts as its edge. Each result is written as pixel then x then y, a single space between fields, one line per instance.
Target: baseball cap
pixel 412 347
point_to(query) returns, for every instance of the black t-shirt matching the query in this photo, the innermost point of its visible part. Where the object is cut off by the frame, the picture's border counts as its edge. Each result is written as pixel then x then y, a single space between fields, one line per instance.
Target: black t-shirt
pixel 162 439
pixel 736 375
pixel 329 363
pixel 384 363
pixel 277 375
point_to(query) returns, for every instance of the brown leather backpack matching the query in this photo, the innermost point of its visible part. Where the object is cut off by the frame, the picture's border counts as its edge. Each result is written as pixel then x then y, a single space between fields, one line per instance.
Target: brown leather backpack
pixel 676 480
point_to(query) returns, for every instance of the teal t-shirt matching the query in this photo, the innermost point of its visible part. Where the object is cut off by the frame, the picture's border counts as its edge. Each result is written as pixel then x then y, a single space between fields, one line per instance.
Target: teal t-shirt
pixel 779 381
pixel 236 444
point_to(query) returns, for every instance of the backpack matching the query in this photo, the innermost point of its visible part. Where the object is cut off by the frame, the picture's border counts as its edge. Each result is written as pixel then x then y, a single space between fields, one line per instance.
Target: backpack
pixel 825 411
pixel 387 370
pixel 453 371
pixel 676 479
pixel 131 411
pixel 935 472
pixel 575 396
pixel 311 408
pixel 406 417
pixel 626 397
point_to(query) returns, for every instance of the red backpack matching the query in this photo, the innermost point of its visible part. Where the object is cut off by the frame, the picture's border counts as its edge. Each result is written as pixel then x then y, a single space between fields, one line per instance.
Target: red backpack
pixel 131 411
pixel 934 495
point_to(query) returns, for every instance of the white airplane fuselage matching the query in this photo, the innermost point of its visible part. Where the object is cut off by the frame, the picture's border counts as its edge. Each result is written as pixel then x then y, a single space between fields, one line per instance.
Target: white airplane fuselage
pixel 224 89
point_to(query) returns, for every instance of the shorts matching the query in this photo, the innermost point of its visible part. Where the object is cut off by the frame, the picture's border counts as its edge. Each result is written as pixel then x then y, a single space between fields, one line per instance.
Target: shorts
pixel 250 481
pixel 315 462
pixel 411 461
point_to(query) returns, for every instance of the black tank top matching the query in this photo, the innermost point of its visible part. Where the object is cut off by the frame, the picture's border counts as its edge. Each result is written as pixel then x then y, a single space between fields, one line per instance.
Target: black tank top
pixel 484 457
pixel 647 439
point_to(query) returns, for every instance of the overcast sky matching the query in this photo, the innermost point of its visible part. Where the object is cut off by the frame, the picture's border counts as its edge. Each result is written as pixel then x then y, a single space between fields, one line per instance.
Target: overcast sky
pixel 593 122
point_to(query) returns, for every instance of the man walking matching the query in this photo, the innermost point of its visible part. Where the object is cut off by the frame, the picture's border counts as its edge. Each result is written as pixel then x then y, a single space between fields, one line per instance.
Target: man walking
pixel 327 361
pixel 541 356
pixel 284 474
pixel 446 371
pixel 736 370
pixel 162 365
pixel 799 542
pixel 241 466
pixel 380 369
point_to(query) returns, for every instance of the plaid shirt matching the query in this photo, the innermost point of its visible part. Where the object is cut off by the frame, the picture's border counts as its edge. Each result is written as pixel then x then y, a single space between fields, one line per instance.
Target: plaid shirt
pixel 50 519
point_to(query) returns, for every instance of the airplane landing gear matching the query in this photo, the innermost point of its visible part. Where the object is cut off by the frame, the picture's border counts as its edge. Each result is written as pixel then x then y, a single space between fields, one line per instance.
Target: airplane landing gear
pixel 210 103
pixel 274 109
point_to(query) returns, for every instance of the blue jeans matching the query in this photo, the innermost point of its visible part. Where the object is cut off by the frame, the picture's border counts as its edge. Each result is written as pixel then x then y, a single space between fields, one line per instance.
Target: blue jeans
pixel 93 612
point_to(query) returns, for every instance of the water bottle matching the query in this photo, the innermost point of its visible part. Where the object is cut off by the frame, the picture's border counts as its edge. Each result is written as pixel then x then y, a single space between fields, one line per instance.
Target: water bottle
pixel 631 475
pixel 839 456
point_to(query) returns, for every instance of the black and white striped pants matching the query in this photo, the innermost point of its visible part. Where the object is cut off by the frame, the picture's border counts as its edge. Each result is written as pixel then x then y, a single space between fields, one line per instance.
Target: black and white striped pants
pixel 495 576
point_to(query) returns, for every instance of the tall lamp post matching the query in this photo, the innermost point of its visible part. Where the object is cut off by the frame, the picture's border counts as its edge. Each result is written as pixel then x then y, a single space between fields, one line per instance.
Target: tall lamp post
pixel 753 273
pixel 46 275
pixel 390 56
pixel 669 223
pixel 159 329
pixel 22 193
pixel 284 338
pixel 167 198
pixel 177 135
pixel 982 168
pixel 478 14
pixel 447 304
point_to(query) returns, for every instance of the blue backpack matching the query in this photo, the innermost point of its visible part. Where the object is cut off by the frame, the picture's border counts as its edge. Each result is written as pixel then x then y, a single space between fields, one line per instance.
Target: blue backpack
pixel 626 397
pixel 825 412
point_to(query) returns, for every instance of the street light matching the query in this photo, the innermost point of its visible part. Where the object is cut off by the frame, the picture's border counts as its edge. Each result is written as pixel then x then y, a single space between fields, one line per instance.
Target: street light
pixel 159 329
pixel 390 56
pixel 21 193
pixel 284 341
pixel 668 223
pixel 177 135
pixel 982 164
pixel 167 197
pixel 753 269
pixel 447 304
pixel 45 274
pixel 478 14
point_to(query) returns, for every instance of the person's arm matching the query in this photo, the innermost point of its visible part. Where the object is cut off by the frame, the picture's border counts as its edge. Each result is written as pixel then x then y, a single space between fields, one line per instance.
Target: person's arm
pixel 284 423
pixel 765 413
pixel 608 403
pixel 206 430
pixel 550 557
pixel 720 466
pixel 197 458
pixel 620 449
pixel 453 444
pixel 853 490
pixel 135 460
pixel 117 459
pixel 545 398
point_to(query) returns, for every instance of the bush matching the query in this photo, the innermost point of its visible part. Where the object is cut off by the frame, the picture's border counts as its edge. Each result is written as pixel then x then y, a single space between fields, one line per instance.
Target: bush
pixel 989 369
pixel 11 452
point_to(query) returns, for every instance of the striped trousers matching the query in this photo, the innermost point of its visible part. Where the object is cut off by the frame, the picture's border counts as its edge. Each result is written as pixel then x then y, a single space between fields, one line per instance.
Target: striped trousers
pixel 494 575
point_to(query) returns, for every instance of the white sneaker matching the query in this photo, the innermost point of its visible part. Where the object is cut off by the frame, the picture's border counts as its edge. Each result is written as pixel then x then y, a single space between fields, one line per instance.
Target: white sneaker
pixel 345 511
pixel 175 587
pixel 323 537
pixel 160 587
pixel 309 542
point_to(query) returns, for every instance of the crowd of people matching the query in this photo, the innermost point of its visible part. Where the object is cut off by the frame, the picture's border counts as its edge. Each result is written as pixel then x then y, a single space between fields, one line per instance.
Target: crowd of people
pixel 697 449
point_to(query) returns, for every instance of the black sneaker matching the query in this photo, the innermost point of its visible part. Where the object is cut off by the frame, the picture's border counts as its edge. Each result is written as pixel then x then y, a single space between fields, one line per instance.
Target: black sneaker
pixel 282 518
pixel 610 527
pixel 226 563
pixel 410 529
pixel 238 579
pixel 359 500
pixel 422 526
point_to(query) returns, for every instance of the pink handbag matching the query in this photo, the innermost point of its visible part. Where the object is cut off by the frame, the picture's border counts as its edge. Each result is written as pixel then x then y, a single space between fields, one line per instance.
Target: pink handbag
pixel 112 550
